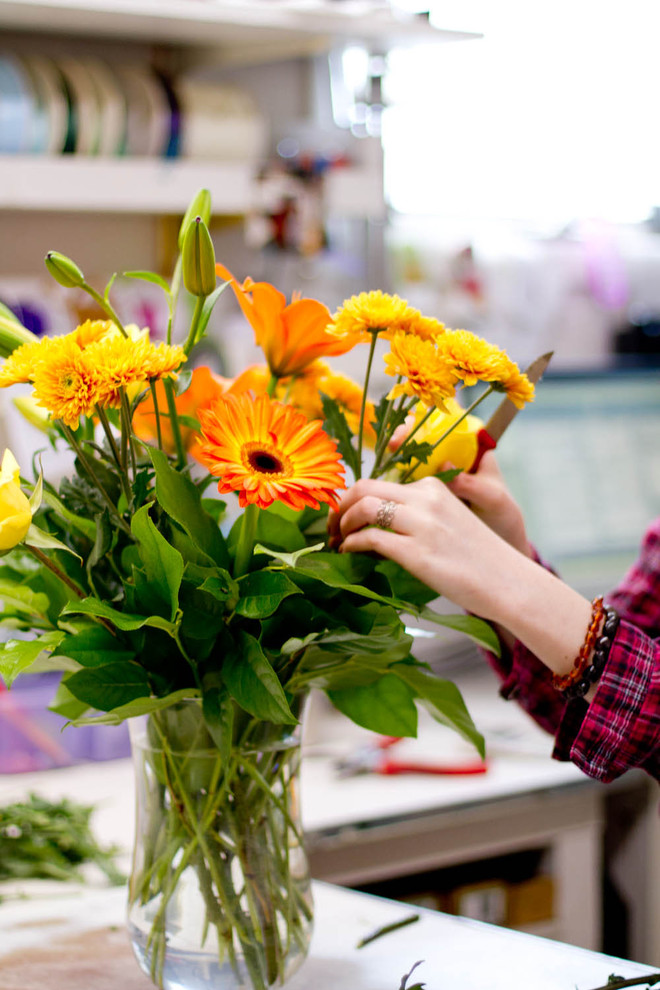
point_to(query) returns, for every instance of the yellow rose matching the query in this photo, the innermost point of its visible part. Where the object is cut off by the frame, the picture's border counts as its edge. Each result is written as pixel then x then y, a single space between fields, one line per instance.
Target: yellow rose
pixel 460 447
pixel 15 514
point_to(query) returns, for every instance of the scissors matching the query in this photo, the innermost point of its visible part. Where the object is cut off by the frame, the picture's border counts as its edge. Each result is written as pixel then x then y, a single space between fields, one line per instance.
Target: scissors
pixel 373 758
pixel 489 435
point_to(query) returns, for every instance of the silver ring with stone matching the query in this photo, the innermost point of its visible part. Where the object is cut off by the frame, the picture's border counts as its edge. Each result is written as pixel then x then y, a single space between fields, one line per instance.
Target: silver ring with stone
pixel 385 514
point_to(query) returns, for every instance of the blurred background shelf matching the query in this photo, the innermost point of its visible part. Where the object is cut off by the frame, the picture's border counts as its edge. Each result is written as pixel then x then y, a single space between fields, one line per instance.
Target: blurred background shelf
pixel 251 24
pixel 158 187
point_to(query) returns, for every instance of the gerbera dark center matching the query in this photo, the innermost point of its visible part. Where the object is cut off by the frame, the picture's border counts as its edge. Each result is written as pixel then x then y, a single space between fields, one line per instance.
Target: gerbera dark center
pixel 266 463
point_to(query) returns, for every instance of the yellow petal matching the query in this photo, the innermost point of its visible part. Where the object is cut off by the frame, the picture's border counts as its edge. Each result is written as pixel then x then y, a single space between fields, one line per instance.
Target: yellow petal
pixel 15 514
pixel 9 470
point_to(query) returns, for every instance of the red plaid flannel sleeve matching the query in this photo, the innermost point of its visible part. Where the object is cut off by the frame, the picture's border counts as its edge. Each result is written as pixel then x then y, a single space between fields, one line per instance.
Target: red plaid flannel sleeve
pixel 620 728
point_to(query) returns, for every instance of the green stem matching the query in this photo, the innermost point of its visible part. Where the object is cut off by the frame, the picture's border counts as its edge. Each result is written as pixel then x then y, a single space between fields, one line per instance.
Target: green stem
pixel 397 453
pixel 409 473
pixel 367 376
pixel 175 286
pixel 105 306
pixel 154 396
pixel 272 385
pixel 115 452
pixel 128 430
pixel 86 463
pixel 246 540
pixel 52 566
pixel 384 438
pixel 192 333
pixel 174 422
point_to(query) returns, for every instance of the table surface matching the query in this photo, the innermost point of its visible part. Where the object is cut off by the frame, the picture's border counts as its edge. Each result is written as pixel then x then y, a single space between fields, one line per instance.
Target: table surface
pixel 455 952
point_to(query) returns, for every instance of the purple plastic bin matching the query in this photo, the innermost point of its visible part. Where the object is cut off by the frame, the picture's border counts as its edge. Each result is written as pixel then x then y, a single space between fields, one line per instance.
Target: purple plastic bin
pixel 33 738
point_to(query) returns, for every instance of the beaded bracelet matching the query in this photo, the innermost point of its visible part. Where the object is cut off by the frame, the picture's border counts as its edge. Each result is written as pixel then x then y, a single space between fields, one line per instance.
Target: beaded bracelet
pixel 588 669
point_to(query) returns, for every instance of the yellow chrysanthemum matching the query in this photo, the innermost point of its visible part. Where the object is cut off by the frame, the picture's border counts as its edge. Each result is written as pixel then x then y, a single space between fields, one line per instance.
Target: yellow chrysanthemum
pixel 426 327
pixel 90 331
pixel 472 358
pixel 23 362
pixel 122 362
pixel 427 375
pixel 266 452
pixel 518 387
pixel 67 384
pixel 362 315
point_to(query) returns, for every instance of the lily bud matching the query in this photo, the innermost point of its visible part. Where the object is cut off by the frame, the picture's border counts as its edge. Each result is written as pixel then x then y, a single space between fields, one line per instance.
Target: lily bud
pixel 12 335
pixel 198 259
pixel 199 207
pixel 63 270
pixel 33 413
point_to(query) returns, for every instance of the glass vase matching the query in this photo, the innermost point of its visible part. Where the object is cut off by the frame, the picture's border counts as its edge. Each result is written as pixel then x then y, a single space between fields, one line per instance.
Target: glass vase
pixel 219 892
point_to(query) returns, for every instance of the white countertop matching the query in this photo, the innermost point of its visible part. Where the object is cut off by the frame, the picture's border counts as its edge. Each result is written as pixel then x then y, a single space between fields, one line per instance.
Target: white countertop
pixel 456 953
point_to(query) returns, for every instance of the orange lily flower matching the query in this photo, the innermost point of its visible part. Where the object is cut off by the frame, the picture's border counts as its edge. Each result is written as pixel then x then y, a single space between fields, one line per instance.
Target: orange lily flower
pixel 291 336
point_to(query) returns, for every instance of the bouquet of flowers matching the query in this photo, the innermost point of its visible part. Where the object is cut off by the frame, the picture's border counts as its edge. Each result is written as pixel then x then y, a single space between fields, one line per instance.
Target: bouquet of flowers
pixel 207 626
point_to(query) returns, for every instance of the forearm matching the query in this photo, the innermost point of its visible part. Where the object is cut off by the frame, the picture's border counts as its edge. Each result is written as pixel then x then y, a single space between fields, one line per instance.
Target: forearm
pixel 529 604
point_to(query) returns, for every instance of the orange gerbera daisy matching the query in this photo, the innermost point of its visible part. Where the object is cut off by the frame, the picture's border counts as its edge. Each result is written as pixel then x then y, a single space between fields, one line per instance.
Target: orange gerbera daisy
pixel 68 383
pixel 268 452
pixel 426 374
pixel 291 336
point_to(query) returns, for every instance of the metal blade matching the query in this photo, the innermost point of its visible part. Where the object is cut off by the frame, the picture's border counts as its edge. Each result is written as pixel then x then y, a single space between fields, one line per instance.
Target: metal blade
pixel 506 411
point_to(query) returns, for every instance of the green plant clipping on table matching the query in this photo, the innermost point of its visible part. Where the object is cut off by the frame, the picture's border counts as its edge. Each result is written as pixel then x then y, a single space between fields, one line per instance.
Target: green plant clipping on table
pixel 51 840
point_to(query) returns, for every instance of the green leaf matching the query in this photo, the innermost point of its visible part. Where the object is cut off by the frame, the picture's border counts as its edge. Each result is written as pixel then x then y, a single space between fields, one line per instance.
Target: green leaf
pixel 126 621
pixel 141 706
pixel 253 683
pixel 163 565
pixel 94 646
pixel 481 632
pixel 215 507
pixel 66 704
pixel 22 598
pixel 181 500
pixel 335 425
pixel 18 655
pixel 84 526
pixel 37 493
pixel 218 711
pixel 387 706
pixel 411 451
pixel 103 541
pixel 44 541
pixel 207 309
pixel 442 699
pixel 261 593
pixel 403 585
pixel 272 531
pixel 148 277
pixel 289 559
pixel 109 686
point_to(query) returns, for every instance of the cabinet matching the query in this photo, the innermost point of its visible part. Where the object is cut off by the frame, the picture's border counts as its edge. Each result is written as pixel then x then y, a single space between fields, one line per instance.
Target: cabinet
pixel 175 35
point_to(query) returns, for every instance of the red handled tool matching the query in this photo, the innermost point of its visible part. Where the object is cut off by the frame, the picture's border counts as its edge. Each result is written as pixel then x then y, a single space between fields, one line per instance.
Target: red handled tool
pixel 372 759
pixel 490 434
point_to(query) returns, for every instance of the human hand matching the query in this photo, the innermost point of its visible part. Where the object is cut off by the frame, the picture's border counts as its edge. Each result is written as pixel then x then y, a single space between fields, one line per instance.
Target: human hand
pixel 491 500
pixel 434 535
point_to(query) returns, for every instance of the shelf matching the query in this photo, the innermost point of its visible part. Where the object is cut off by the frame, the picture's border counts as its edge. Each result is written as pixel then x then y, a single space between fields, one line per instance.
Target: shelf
pixel 158 186
pixel 218 23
